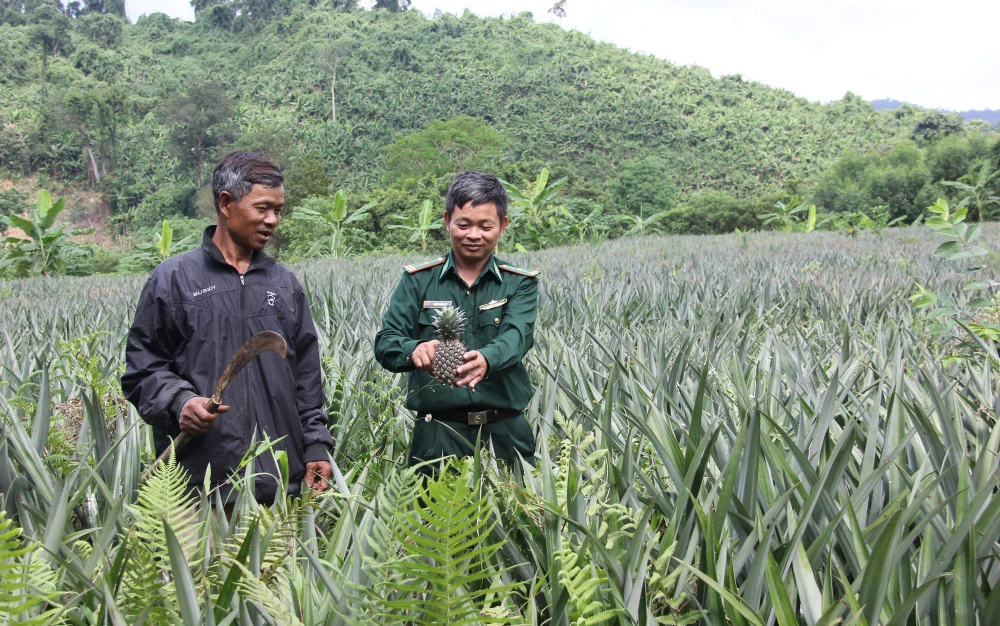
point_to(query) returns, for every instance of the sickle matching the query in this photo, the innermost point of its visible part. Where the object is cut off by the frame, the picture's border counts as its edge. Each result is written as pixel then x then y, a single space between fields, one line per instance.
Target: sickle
pixel 256 345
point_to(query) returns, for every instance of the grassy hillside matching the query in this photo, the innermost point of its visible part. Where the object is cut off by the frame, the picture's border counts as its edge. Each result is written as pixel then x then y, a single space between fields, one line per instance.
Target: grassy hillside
pixel 556 97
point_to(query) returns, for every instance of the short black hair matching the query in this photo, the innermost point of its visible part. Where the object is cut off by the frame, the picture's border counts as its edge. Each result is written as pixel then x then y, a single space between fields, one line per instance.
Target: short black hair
pixel 479 188
pixel 237 172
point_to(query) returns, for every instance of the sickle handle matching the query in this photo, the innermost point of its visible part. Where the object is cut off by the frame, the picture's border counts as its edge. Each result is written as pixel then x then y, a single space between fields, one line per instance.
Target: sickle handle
pixel 213 404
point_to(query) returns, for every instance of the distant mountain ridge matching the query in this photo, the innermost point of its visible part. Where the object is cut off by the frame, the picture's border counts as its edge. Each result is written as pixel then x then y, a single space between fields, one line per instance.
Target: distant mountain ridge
pixel 988 115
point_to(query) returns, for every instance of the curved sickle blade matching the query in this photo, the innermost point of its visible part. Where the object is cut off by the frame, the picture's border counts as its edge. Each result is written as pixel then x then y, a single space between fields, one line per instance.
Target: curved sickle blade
pixel 259 343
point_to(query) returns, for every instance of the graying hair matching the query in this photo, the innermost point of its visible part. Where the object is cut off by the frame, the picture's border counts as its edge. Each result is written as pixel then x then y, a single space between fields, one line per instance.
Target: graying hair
pixel 237 172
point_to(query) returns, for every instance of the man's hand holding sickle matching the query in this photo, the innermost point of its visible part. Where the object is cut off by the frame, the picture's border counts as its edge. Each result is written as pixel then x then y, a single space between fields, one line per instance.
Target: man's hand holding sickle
pixel 198 413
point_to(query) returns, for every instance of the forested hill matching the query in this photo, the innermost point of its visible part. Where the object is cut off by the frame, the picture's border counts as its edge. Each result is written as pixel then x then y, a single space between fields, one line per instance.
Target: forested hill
pixel 555 96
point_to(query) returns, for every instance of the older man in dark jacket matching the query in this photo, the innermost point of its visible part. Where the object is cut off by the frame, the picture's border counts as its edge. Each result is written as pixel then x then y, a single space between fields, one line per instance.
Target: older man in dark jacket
pixel 197 309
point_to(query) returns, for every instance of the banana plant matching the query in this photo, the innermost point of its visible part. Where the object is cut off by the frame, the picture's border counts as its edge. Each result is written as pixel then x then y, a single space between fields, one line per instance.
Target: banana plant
pixel 961 245
pixel 978 194
pixel 639 225
pixel 420 229
pixel 147 255
pixel 333 215
pixel 41 253
pixel 530 213
pixel 789 215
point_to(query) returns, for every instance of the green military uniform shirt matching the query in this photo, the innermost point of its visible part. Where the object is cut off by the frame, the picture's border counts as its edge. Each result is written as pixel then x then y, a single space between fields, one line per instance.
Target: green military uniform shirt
pixel 500 306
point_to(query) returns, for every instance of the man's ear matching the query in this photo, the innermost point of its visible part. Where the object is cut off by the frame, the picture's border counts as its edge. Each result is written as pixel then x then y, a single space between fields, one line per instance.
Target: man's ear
pixel 447 221
pixel 226 204
pixel 503 224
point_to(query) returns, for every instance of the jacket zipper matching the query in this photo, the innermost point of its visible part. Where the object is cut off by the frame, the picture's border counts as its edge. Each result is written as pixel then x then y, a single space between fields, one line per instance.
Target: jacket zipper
pixel 247 417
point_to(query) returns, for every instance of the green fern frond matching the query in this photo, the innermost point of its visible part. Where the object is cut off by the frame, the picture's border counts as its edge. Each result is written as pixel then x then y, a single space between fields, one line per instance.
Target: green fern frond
pixel 377 581
pixel 28 586
pixel 583 581
pixel 428 555
pixel 274 602
pixel 147 584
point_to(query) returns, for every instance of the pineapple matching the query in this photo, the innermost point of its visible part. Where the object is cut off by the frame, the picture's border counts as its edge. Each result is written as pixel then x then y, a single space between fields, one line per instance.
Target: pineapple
pixel 450 322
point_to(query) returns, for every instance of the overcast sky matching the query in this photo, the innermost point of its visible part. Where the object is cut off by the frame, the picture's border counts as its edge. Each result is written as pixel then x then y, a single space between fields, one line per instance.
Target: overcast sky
pixel 935 54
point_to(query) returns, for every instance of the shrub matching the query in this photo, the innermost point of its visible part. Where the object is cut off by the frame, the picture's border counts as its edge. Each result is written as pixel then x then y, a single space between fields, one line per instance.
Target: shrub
pixel 168 202
pixel 898 179
pixel 713 212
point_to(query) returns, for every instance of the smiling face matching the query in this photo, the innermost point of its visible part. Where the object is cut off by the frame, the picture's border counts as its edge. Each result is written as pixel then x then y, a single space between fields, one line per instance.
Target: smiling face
pixel 475 231
pixel 251 221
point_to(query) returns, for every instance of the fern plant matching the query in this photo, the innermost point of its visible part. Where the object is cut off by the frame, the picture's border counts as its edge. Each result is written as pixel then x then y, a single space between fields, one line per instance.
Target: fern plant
pixel 271 535
pixel 28 592
pixel 430 558
pixel 583 580
pixel 147 587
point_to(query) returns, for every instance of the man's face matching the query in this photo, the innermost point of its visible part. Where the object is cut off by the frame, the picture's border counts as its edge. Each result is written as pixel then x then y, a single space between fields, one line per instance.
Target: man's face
pixel 475 231
pixel 251 221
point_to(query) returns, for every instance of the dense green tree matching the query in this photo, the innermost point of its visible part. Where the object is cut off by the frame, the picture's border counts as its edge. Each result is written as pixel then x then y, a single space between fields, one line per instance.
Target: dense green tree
pixel 49 30
pixel 713 212
pixel 898 179
pixel 170 201
pixel 198 119
pixel 956 155
pixel 442 148
pixel 95 113
pixel 934 125
pixel 105 30
pixel 392 5
pixel 644 184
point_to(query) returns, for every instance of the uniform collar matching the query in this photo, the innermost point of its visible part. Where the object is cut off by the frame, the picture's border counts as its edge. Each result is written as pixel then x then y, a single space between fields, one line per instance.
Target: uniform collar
pixel 258 260
pixel 491 268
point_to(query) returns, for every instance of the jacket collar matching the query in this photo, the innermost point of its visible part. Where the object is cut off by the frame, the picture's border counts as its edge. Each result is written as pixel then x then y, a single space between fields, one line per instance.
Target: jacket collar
pixel 258 260
pixel 491 268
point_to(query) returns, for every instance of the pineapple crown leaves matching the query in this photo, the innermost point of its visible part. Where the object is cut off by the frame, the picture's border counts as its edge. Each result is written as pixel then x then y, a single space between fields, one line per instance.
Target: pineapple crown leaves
pixel 449 322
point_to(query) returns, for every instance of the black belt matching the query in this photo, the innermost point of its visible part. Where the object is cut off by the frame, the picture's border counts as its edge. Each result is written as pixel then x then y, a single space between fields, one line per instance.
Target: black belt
pixel 472 418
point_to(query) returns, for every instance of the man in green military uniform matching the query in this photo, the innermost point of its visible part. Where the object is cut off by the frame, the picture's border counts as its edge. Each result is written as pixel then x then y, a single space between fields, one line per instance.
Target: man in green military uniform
pixel 500 302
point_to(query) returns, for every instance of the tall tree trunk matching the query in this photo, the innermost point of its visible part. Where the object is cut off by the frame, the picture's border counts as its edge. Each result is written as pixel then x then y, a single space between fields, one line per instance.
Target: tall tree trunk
pixel 333 97
pixel 45 69
pixel 93 166
pixel 197 169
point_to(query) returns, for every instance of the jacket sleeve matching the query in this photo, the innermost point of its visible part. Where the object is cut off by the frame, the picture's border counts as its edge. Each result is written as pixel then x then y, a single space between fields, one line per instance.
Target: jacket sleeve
pixel 309 400
pixel 395 342
pixel 151 382
pixel 516 334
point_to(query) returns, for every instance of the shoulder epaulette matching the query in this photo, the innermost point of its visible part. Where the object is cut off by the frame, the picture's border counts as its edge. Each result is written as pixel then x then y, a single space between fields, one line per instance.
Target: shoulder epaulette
pixel 413 268
pixel 520 271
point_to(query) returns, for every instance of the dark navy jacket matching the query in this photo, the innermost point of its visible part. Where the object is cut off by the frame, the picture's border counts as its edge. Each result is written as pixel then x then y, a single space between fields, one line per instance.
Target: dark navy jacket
pixel 195 311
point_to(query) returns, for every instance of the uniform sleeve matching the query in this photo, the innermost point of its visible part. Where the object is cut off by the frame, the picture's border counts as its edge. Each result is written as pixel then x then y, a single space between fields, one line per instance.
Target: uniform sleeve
pixel 395 342
pixel 309 400
pixel 150 381
pixel 516 334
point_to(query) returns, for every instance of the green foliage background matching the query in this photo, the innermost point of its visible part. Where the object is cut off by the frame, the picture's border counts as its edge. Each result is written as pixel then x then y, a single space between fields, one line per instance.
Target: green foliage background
pixel 388 103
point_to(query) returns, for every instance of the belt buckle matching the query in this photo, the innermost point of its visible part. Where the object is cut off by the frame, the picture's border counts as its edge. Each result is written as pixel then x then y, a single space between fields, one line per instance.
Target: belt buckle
pixel 478 417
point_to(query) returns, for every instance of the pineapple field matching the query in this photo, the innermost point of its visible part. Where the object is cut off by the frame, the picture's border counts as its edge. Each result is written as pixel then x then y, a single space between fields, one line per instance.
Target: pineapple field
pixel 749 429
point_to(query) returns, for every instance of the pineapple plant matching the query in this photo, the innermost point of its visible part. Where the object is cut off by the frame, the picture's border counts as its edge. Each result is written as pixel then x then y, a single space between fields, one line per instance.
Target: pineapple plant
pixel 449 322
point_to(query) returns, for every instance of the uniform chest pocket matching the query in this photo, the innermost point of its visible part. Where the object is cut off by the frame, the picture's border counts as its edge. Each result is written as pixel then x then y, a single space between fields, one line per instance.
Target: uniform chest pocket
pixel 425 324
pixel 489 323
pixel 270 300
